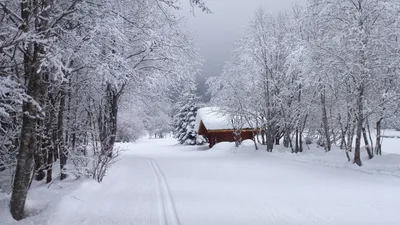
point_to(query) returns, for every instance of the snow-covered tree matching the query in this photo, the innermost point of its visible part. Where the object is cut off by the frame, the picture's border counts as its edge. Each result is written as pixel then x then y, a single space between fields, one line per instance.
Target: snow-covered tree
pixel 65 68
pixel 328 67
pixel 352 43
pixel 184 120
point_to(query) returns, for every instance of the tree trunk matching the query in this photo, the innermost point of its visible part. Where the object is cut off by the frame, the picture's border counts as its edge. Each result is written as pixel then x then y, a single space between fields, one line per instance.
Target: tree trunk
pixel 343 131
pixel 49 171
pixel 357 157
pixel 28 145
pixel 347 152
pixel 301 132
pixel 39 173
pixel 51 136
pixel 378 146
pixel 67 114
pixel 342 141
pixel 54 137
pixel 343 137
pixel 39 163
pixel 263 136
pixel 270 138
pixel 370 138
pixel 108 120
pixel 359 128
pixel 110 131
pixel 237 136
pixel 257 137
pixel 253 137
pixel 367 147
pixel 60 136
pixel 277 138
pixel 25 161
pixel 290 143
pixel 286 138
pixel 296 148
pixel 325 123
pixel 350 132
pixel 113 123
pixel 363 76
pixel 42 128
pixel 301 142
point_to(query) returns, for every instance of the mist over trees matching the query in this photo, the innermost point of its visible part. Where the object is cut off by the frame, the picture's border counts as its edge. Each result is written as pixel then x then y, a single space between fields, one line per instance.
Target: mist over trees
pixel 326 69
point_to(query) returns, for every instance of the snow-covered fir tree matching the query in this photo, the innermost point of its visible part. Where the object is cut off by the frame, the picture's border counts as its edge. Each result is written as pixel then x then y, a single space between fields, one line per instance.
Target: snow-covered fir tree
pixel 184 120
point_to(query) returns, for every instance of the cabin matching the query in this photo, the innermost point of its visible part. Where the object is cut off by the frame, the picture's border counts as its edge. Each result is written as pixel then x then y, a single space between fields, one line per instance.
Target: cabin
pixel 217 127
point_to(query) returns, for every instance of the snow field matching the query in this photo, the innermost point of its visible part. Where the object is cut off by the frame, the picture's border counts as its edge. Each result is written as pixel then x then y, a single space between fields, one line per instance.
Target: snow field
pixel 160 182
pixel 239 186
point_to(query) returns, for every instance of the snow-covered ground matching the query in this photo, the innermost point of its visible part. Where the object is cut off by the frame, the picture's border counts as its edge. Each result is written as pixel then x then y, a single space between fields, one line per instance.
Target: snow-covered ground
pixel 158 182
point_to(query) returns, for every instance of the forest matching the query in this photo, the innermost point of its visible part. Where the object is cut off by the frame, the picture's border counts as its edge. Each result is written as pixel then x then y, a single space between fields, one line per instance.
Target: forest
pixel 76 76
pixel 79 76
pixel 326 70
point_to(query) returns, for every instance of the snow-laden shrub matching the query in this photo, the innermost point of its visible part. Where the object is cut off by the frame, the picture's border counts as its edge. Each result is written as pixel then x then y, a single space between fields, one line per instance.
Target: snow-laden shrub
pixel 102 162
pixel 81 165
pixel 90 162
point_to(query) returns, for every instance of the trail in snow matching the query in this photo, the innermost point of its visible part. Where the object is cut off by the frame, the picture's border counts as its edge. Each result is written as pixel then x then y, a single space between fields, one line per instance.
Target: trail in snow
pixel 217 187
pixel 157 180
pixel 166 203
pixel 127 195
pixel 135 191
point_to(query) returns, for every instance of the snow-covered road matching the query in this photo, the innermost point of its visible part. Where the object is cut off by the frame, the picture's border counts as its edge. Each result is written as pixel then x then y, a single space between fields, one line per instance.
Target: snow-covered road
pixel 158 182
pixel 247 188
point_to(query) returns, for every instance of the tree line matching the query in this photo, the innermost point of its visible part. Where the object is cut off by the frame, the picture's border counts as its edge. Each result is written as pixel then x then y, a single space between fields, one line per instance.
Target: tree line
pixel 325 69
pixel 69 68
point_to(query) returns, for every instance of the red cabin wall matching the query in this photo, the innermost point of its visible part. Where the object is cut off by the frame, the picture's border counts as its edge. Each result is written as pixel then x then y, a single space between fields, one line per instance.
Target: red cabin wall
pixel 217 137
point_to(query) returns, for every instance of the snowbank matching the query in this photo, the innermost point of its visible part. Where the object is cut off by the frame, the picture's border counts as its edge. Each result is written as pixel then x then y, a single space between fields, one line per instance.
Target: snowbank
pixel 223 146
pixel 41 201
pixel 247 146
pixel 387 164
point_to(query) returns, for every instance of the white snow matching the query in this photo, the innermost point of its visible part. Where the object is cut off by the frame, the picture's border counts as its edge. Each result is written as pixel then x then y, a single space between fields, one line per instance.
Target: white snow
pixel 391 140
pixel 214 118
pixel 158 182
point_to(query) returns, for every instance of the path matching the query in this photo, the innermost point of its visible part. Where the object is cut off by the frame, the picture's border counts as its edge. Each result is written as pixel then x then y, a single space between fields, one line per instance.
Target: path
pixel 160 183
pixel 218 188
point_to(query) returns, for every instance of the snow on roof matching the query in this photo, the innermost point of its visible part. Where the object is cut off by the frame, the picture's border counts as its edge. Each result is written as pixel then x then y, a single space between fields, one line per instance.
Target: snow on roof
pixel 214 118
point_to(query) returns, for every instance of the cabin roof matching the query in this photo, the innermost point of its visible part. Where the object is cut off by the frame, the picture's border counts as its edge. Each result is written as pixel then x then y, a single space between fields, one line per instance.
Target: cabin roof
pixel 213 118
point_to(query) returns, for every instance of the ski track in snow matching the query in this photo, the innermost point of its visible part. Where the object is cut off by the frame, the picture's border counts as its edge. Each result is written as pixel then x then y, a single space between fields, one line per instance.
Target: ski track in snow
pixel 129 195
pixel 125 197
pixel 168 213
pixel 157 180
pixel 270 213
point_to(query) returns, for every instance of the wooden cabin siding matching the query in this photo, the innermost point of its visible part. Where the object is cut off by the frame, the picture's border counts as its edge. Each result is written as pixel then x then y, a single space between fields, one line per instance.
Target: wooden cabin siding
pixel 202 130
pixel 217 136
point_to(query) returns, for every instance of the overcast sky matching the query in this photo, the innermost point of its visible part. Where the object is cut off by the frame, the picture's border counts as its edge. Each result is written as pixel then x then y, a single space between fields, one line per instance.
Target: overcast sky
pixel 215 33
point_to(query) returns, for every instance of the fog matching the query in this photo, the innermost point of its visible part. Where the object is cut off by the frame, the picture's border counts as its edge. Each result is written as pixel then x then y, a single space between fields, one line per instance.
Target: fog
pixel 215 33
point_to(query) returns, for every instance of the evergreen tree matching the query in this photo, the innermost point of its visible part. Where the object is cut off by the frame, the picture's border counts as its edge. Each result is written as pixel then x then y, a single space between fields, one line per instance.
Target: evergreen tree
pixel 184 120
